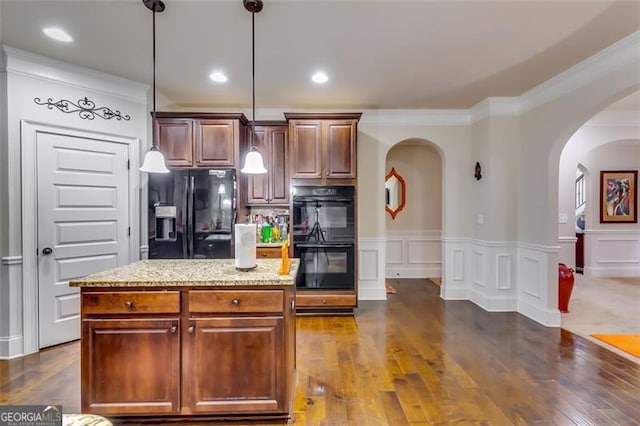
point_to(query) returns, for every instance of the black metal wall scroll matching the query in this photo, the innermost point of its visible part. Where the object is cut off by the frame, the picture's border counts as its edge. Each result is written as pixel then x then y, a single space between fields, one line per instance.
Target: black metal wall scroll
pixel 84 107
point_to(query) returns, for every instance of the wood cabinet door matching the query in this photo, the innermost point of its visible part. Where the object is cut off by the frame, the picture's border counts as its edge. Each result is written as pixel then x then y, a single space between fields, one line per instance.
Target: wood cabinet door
pixel 234 365
pixel 340 149
pixel 216 143
pixel 258 185
pixel 306 148
pixel 278 165
pixel 130 366
pixel 175 140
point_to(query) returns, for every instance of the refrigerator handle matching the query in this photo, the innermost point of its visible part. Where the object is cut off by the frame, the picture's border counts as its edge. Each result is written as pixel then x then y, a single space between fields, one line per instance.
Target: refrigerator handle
pixel 185 215
pixel 192 233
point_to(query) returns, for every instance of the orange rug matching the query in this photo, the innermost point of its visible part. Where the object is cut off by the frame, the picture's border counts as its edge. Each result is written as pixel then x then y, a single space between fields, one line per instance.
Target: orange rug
pixel 630 343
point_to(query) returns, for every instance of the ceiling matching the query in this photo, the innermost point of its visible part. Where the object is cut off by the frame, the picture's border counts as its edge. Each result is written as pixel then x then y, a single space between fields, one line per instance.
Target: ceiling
pixel 379 54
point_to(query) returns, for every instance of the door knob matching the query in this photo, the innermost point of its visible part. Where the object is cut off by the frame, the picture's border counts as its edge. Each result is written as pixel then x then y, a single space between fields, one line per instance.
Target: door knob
pixel 47 250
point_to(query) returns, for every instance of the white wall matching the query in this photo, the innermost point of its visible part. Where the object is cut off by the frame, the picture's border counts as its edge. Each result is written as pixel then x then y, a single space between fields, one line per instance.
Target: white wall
pixel 28 77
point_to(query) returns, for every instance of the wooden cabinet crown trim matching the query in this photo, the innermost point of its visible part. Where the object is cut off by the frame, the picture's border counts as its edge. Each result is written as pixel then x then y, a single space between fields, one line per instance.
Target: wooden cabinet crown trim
pixel 323 115
pixel 204 115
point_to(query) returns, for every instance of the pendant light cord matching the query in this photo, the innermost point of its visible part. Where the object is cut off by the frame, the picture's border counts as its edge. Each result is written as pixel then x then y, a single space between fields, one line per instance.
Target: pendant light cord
pixel 253 76
pixel 153 120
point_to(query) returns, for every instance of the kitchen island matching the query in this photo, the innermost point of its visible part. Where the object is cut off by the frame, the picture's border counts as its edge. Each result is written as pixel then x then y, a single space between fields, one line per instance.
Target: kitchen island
pixel 190 339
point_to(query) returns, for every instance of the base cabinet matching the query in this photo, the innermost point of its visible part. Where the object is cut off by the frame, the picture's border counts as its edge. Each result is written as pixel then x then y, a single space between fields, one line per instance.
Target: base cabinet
pixel 131 366
pixel 243 375
pixel 170 354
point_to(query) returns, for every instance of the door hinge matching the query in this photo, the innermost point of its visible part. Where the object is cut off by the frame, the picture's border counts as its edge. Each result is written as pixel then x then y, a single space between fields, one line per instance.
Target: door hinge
pixel 129 231
pixel 128 164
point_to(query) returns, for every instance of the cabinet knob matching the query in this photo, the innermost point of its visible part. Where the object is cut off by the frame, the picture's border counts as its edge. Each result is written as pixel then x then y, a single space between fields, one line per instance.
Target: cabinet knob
pixel 235 302
pixel 191 328
pixel 324 301
pixel 174 328
pixel 129 304
pixel 264 254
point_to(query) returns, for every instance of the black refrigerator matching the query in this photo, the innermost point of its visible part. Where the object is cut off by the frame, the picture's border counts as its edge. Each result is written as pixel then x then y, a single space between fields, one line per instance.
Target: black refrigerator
pixel 192 214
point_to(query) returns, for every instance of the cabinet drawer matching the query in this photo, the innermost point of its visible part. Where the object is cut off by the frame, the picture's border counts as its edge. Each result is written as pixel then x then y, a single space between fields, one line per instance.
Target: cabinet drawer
pixel 230 301
pixel 131 302
pixel 306 299
pixel 269 252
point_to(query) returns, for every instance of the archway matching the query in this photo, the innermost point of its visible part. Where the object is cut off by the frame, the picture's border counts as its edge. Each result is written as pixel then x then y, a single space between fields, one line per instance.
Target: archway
pixel 413 234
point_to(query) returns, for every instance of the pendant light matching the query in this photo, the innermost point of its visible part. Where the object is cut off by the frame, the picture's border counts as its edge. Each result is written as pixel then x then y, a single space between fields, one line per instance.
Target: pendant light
pixel 153 159
pixel 253 163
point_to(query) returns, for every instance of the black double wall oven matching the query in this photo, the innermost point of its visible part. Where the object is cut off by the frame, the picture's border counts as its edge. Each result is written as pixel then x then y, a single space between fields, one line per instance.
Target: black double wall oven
pixel 324 236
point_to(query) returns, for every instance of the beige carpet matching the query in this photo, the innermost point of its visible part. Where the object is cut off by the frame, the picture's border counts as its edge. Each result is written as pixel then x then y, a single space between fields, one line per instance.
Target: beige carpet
pixel 604 306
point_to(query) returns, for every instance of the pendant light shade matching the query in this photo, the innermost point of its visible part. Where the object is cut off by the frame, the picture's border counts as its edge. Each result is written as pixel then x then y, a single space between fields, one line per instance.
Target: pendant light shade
pixel 154 162
pixel 153 159
pixel 253 162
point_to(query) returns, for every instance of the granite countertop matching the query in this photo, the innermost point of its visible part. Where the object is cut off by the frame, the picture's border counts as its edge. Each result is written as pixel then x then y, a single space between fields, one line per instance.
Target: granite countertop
pixel 185 272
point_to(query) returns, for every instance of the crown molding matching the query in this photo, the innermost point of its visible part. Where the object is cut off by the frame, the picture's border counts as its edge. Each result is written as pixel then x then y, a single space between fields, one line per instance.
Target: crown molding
pixel 495 107
pixel 413 117
pixel 615 118
pixel 619 54
pixel 37 66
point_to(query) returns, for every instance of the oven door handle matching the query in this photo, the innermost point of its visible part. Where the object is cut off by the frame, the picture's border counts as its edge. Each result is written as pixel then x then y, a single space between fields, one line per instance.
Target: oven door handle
pixel 323 199
pixel 324 246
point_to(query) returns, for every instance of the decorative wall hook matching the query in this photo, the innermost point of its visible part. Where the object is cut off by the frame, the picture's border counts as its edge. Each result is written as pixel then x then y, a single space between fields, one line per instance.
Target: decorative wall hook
pixel 478 171
pixel 85 108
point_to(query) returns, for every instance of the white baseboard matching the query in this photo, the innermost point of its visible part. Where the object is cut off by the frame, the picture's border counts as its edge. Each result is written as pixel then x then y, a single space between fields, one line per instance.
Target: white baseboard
pixel 548 318
pixel 448 293
pixel 11 347
pixel 394 271
pixel 494 304
pixel 611 271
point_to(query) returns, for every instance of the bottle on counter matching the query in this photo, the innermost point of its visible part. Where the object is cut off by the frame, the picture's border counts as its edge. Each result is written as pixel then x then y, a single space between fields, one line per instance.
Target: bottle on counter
pixel 266 233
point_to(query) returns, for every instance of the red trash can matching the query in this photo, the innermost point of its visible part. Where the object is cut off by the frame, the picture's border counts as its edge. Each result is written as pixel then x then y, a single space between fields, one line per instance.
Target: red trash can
pixel 565 287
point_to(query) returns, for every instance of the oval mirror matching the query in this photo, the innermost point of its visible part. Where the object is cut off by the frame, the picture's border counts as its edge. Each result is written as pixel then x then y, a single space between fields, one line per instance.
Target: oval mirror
pixel 394 187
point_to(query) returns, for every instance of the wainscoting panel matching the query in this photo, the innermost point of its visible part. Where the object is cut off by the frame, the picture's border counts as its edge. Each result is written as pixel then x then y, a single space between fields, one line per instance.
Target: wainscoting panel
pixel 478 268
pixel 455 273
pixel 492 275
pixel 12 340
pixel 537 283
pixel 413 254
pixel 612 253
pixel 371 256
pixel 504 274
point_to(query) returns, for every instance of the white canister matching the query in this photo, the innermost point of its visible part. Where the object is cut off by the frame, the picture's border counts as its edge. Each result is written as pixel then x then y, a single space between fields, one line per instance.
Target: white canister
pixel 245 240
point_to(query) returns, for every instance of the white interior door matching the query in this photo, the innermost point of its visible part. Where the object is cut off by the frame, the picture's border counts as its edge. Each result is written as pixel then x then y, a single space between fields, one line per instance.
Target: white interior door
pixel 83 224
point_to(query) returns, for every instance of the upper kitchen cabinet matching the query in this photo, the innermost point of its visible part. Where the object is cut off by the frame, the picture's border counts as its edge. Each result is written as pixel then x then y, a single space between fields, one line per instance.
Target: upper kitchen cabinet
pixel 200 139
pixel 323 146
pixel 272 141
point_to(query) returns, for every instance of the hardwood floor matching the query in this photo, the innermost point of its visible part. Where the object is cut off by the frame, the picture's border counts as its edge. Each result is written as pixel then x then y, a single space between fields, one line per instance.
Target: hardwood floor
pixel 414 359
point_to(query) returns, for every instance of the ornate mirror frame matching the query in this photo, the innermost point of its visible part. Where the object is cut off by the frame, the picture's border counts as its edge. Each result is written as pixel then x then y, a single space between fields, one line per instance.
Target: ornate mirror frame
pixel 395 189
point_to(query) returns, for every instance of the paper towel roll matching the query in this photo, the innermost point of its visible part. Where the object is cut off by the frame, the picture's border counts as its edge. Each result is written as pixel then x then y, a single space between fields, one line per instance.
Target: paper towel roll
pixel 245 245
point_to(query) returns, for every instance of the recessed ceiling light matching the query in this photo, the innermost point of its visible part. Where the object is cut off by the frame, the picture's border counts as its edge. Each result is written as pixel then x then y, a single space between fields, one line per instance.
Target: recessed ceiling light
pixel 320 77
pixel 57 34
pixel 218 76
